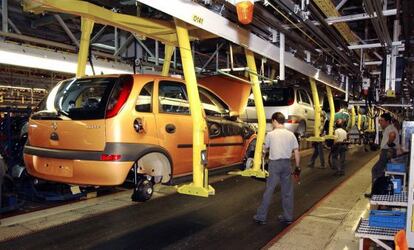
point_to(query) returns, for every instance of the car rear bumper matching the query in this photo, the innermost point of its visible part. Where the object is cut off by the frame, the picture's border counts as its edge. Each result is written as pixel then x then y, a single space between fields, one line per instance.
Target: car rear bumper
pixel 81 172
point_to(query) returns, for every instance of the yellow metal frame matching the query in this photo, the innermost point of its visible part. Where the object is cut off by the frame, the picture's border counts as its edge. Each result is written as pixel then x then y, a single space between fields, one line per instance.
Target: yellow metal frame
pixel 329 10
pixel 199 186
pixel 317 107
pixel 352 117
pixel 359 121
pixel 169 50
pixel 330 135
pixel 86 28
pixel 256 170
pixel 163 31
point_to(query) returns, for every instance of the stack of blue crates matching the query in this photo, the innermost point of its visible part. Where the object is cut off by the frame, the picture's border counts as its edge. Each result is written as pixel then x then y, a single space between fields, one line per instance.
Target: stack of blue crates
pixel 396 167
pixel 399 168
pixel 387 219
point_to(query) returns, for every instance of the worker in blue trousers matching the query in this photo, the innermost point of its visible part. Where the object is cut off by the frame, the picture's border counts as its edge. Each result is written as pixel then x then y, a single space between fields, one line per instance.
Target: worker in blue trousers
pixel 281 143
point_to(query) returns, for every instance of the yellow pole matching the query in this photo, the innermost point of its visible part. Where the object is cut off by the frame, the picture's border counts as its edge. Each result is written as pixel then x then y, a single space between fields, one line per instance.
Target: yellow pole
pixel 169 50
pixel 199 124
pixel 352 117
pixel 86 28
pixel 317 107
pixel 331 114
pixel 261 119
pixel 359 119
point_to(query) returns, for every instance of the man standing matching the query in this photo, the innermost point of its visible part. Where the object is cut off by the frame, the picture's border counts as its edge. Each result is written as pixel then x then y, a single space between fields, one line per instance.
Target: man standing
pixel 390 141
pixel 317 151
pixel 339 148
pixel 280 142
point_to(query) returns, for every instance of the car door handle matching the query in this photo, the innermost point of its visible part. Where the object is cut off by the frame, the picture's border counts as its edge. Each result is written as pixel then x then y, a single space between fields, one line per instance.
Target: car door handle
pixel 170 128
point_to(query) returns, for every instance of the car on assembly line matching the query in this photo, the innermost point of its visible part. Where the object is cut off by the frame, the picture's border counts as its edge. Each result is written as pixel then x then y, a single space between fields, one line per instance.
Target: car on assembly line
pixel 294 102
pixel 93 130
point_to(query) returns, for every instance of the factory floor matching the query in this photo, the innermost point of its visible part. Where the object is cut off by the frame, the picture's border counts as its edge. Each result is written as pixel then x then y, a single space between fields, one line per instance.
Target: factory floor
pixel 326 207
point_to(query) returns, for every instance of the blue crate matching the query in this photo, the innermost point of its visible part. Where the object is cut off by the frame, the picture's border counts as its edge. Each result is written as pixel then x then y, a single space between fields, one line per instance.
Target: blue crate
pixel 397 185
pixel 387 219
pixel 396 167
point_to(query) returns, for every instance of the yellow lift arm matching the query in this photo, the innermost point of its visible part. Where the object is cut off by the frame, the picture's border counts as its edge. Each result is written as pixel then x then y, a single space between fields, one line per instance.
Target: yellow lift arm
pixel 256 170
pixel 163 31
pixel 169 50
pixel 86 28
pixel 359 123
pixel 199 186
pixel 330 134
pixel 352 117
pixel 317 107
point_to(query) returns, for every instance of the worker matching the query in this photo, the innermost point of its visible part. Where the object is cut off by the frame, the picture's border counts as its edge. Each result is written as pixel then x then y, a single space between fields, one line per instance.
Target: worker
pixel 339 148
pixel 317 151
pixel 389 143
pixel 280 142
pixel 318 148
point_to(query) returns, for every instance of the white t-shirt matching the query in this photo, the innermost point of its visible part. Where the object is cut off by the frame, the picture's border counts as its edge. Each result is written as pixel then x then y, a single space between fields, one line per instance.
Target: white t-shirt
pixel 340 135
pixel 281 142
pixel 385 136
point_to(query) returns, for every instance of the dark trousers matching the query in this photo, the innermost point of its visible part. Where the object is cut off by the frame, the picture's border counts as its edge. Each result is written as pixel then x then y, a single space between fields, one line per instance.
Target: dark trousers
pixel 338 157
pixel 279 172
pixel 378 169
pixel 317 151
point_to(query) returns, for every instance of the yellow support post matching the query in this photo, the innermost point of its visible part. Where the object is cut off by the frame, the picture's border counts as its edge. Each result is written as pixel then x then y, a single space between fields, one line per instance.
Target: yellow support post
pixel 256 170
pixel 352 117
pixel 359 124
pixel 317 107
pixel 199 186
pixel 169 50
pixel 330 135
pixel 86 28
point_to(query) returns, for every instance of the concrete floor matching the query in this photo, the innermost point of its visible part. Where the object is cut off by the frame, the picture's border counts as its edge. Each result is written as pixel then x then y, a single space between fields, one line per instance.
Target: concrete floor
pixel 174 221
pixel 332 222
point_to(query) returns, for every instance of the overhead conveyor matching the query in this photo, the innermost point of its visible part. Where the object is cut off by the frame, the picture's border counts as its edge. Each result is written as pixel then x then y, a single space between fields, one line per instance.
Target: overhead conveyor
pixel 192 22
pixel 219 26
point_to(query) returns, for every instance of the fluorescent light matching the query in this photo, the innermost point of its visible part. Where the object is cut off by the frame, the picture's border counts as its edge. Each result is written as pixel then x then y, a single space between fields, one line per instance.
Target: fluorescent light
pixel 32 57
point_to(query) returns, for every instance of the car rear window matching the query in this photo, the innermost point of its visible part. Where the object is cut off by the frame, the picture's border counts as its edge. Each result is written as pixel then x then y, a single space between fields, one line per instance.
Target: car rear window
pixel 78 99
pixel 275 96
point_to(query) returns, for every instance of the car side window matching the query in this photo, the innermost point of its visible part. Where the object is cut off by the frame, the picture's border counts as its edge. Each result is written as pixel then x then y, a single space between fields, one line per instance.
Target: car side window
pixel 144 100
pixel 304 97
pixel 213 105
pixel 173 98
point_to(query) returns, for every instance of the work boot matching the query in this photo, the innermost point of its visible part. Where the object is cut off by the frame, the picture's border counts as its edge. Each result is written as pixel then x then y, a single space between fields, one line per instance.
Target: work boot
pixel 282 219
pixel 258 221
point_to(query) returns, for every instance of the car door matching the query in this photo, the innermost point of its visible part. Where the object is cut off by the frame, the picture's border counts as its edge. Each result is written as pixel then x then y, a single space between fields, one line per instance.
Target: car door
pixel 308 111
pixel 174 124
pixel 225 142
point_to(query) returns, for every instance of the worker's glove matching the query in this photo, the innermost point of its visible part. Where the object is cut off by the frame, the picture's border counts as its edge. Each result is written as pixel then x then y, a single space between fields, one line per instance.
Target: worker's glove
pixel 296 172
pixel 391 144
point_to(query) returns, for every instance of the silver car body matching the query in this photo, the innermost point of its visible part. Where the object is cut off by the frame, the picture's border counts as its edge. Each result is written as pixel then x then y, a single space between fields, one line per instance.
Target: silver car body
pixel 299 114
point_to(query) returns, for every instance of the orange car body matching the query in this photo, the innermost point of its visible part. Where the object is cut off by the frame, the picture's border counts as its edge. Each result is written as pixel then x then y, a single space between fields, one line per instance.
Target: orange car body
pixel 101 150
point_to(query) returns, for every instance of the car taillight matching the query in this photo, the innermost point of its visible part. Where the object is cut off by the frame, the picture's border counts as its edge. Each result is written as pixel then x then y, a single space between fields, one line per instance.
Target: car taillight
pixel 105 157
pixel 291 121
pixel 120 100
pixel 290 101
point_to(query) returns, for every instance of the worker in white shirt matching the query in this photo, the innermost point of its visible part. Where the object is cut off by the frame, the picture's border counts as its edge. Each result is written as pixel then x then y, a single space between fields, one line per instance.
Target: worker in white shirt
pixel 281 143
pixel 339 148
pixel 390 142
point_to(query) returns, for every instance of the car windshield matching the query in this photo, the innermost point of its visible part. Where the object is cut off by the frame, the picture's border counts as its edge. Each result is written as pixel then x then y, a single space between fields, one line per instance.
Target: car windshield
pixel 275 96
pixel 77 99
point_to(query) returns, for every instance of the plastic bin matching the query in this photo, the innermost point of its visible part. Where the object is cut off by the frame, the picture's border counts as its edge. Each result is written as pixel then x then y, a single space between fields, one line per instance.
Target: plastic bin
pixel 396 167
pixel 397 185
pixel 387 219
